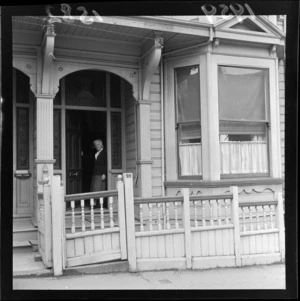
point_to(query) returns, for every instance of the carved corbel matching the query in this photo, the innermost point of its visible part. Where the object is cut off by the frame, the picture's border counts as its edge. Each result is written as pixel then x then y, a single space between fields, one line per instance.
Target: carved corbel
pixel 272 50
pixel 149 63
pixel 216 43
pixel 47 59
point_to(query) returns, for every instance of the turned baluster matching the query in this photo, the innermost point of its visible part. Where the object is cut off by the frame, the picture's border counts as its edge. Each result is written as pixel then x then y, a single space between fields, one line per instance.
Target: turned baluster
pixel 82 216
pixel 159 216
pixel 92 214
pixel 150 217
pixel 73 216
pixel 250 218
pixel 101 214
pixel 257 218
pixel 141 218
pixel 265 217
pixel 167 216
pixel 226 212
pixel 111 213
pixel 244 219
pixel 195 214
pixel 176 215
pixel 219 211
pixel 272 210
pixel 203 213
pixel 211 212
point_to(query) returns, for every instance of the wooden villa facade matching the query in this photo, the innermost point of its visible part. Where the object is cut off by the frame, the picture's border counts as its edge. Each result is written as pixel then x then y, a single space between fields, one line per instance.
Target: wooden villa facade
pixel 185 109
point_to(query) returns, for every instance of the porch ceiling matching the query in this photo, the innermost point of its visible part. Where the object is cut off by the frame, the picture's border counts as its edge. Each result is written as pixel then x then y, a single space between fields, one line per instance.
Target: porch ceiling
pixel 112 32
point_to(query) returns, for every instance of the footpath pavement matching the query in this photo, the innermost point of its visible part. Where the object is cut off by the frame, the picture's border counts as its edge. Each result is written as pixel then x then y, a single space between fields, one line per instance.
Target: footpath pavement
pixel 264 277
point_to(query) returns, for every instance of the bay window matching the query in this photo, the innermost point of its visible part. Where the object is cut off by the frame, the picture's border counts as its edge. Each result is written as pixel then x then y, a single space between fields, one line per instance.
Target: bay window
pixel 243 120
pixel 188 122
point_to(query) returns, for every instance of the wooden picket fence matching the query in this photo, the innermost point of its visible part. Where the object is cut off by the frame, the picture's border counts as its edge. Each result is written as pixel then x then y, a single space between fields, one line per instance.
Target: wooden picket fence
pixel 172 232
pixel 200 232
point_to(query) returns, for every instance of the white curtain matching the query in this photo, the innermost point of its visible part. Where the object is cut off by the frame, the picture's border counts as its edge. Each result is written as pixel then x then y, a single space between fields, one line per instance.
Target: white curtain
pixel 190 159
pixel 244 157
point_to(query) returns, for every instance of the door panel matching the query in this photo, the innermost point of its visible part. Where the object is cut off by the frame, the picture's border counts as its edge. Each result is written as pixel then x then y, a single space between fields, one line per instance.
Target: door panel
pixel 73 153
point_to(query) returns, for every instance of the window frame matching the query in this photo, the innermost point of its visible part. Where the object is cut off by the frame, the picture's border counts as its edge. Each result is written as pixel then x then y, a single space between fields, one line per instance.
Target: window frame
pixel 171 117
pixel 265 121
pixel 178 123
pixel 271 105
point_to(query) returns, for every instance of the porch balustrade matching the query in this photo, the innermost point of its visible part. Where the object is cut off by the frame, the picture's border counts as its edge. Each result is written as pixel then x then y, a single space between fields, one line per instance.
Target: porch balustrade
pixel 86 212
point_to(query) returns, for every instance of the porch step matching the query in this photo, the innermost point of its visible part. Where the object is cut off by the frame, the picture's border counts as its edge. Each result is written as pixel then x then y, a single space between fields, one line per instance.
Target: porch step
pixel 101 268
pixel 23 232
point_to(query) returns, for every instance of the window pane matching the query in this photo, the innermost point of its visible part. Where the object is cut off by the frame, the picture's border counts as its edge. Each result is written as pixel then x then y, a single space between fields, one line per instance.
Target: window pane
pixel 86 88
pixel 243 153
pixel 190 156
pixel 242 93
pixel 187 93
pixel 22 138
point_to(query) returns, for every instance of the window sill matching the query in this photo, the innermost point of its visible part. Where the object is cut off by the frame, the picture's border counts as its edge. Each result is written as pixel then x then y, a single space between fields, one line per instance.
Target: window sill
pixel 224 183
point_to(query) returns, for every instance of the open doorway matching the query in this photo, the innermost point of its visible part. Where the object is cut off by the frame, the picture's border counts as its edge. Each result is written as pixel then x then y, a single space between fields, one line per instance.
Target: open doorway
pixel 82 128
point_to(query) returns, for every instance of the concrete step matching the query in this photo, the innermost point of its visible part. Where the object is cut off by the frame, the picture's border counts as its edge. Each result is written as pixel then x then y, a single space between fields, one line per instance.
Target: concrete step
pixel 101 268
pixel 23 232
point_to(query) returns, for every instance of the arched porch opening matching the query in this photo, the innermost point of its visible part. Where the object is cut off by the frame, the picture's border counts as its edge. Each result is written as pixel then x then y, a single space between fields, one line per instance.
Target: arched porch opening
pixel 93 104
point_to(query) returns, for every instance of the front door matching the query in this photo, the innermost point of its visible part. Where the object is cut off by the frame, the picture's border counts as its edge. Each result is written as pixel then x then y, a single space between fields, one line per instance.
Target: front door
pixel 73 153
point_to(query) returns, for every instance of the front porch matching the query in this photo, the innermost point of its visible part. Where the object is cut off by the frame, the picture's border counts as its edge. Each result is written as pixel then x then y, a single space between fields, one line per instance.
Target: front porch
pixel 137 234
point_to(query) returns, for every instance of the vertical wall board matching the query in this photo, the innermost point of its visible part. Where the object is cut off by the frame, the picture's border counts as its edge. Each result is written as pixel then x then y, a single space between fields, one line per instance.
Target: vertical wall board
pixel 219 242
pixel 169 246
pixel 258 243
pixel 79 246
pixel 204 243
pixel 177 243
pixel 153 247
pixel 226 242
pixel 138 248
pixel 271 242
pixel 252 244
pixel 145 247
pixel 115 241
pixel 88 245
pixel 265 243
pixel 211 243
pixel 70 248
pixel 245 243
pixel 196 245
pixel 98 243
pixel 161 243
pixel 107 241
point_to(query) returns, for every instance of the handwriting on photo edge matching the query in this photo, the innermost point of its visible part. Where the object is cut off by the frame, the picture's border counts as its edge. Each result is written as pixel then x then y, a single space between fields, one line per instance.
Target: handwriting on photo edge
pixel 208 9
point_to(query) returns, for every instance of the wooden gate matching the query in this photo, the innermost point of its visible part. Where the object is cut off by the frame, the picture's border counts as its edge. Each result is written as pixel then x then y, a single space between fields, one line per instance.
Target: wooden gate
pixel 92 227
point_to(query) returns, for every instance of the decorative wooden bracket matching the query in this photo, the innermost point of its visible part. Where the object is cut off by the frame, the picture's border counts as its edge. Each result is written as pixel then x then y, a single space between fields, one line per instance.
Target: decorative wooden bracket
pixel 273 50
pixel 47 59
pixel 216 43
pixel 149 64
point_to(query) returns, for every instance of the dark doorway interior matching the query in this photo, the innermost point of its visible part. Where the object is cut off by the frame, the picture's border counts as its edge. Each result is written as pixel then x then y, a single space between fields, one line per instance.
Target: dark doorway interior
pixel 82 128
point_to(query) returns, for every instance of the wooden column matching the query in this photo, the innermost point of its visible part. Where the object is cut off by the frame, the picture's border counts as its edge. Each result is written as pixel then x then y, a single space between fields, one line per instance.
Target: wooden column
pixel 148 65
pixel 210 118
pixel 144 148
